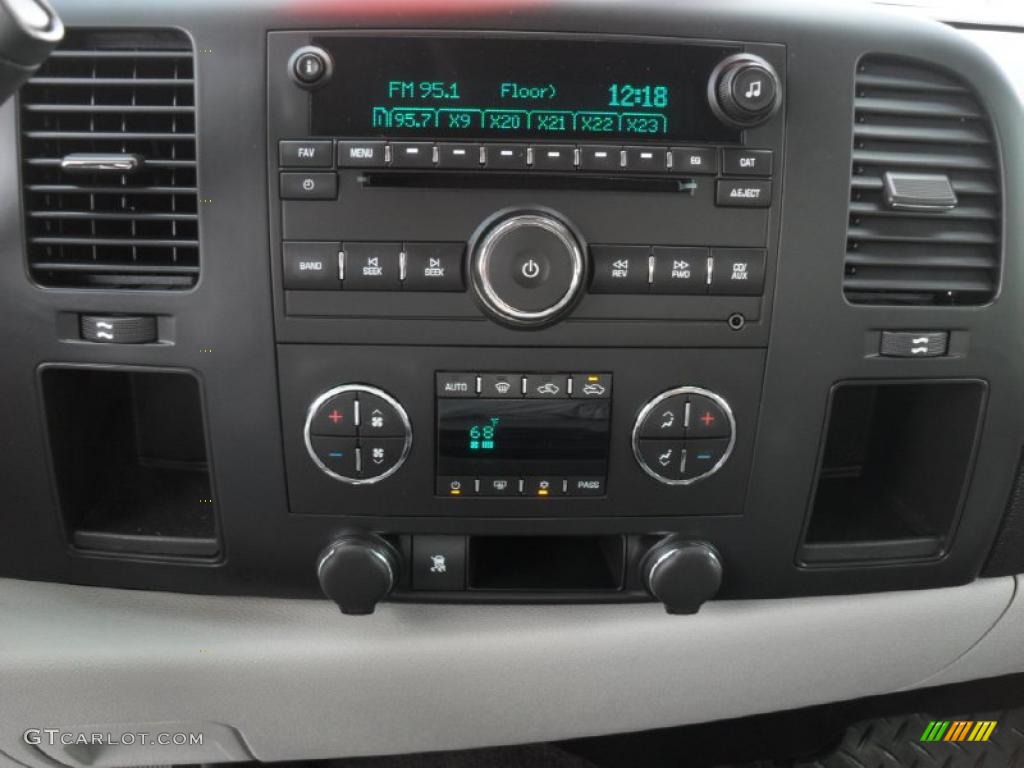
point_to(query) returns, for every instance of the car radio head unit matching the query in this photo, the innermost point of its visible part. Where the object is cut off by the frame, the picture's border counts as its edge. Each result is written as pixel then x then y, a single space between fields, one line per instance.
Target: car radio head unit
pixel 495 87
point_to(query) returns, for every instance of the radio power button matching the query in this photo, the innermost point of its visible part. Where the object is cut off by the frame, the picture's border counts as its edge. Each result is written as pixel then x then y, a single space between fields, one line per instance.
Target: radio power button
pixel 527 268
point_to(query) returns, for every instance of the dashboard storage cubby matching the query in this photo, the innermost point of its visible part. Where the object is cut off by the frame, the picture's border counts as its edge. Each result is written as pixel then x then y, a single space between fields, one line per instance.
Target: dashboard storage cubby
pixel 894 470
pixel 130 460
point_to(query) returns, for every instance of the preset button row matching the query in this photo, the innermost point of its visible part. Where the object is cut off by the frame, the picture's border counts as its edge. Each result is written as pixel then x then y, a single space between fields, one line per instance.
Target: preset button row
pixel 372 266
pixel 543 157
pixel 677 270
pixel 536 487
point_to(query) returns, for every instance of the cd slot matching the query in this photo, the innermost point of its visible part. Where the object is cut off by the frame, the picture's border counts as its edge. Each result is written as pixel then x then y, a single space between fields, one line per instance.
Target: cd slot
pixel 530 180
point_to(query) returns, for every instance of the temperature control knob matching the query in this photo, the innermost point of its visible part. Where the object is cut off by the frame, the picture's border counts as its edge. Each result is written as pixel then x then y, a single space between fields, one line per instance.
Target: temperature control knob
pixel 527 268
pixel 744 90
pixel 357 434
pixel 682 574
pixel 357 571
pixel 684 435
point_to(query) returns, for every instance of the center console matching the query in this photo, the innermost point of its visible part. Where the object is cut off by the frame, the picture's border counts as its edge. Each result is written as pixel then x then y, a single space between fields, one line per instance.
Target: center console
pixel 536 219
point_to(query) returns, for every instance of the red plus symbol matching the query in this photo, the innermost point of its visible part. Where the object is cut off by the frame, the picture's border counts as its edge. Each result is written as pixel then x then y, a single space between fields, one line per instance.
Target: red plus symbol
pixel 335 416
pixel 707 418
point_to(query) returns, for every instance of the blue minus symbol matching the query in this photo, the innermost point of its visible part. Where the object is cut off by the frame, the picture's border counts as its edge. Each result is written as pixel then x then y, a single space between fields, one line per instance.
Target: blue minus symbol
pixel 703 456
pixel 335 454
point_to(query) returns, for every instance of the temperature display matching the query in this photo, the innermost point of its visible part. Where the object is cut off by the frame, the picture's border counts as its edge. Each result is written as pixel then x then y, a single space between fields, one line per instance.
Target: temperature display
pixel 525 87
pixel 522 437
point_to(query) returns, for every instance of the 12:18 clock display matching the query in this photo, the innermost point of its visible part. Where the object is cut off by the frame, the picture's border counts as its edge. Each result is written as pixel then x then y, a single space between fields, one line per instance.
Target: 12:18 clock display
pixel 517 87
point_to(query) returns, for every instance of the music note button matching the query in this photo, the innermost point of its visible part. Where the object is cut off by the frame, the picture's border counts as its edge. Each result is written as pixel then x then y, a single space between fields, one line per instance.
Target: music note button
pixel 753 88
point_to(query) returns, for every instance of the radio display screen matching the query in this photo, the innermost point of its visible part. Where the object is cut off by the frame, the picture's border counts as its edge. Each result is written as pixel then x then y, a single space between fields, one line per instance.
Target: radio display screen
pixel 517 88
pixel 522 437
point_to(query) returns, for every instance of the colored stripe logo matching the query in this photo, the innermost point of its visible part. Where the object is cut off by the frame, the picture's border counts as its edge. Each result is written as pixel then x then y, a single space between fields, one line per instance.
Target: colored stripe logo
pixel 959 730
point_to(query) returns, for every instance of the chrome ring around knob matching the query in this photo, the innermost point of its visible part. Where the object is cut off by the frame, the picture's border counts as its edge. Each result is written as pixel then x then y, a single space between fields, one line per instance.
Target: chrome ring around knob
pixel 654 403
pixel 307 436
pixel 482 255
pixel 721 99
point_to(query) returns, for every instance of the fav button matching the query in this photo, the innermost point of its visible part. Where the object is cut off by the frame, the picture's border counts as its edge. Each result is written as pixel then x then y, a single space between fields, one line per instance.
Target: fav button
pixel 305 154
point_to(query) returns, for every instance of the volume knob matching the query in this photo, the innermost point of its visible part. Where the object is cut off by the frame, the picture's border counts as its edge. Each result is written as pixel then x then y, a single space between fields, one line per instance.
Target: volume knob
pixel 744 90
pixel 527 268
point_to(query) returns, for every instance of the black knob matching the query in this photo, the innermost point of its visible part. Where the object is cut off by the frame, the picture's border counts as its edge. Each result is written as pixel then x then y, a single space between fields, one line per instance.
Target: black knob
pixel 744 90
pixel 527 268
pixel 682 574
pixel 357 571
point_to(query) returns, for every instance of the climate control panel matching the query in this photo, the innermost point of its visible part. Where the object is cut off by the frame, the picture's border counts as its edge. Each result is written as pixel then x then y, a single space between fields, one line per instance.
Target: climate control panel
pixel 357 434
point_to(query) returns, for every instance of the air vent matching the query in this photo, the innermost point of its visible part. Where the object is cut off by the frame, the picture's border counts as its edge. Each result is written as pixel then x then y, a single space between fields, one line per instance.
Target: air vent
pixel 919 131
pixel 109 162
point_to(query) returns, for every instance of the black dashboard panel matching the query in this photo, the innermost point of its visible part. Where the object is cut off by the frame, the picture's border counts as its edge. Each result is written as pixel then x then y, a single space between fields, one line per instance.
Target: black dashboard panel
pixel 317 270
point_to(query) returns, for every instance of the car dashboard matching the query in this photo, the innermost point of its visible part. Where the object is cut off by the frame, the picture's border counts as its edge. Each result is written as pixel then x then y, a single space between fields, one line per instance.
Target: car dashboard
pixel 609 366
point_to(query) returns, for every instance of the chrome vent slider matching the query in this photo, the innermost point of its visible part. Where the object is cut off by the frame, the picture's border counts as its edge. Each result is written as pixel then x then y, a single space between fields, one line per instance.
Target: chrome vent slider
pixel 95 162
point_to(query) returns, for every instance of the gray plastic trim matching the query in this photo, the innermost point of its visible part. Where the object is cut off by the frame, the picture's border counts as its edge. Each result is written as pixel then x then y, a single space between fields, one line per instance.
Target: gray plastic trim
pixel 295 679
